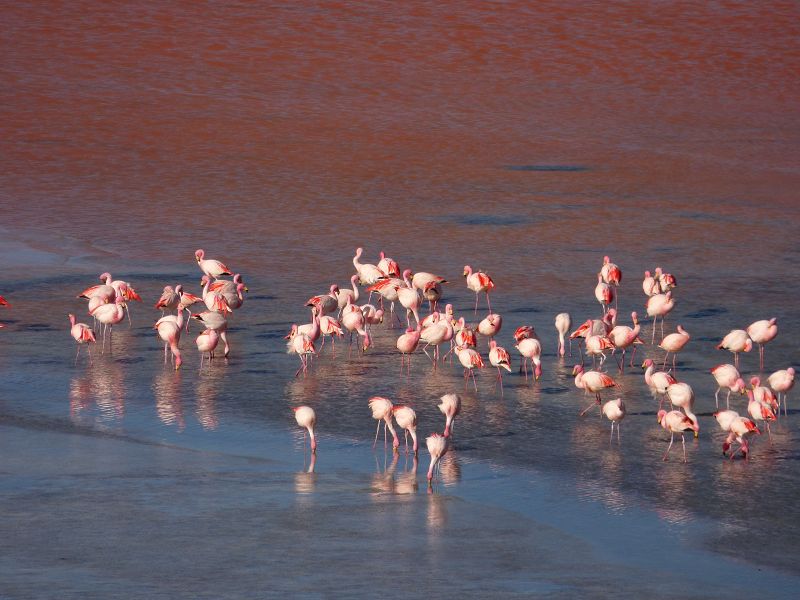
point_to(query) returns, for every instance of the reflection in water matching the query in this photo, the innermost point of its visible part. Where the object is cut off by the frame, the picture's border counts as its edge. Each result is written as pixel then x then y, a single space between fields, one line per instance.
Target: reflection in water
pixel 407 480
pixel 103 384
pixel 167 390
pixel 450 468
pixel 206 398
pixel 675 480
pixel 383 480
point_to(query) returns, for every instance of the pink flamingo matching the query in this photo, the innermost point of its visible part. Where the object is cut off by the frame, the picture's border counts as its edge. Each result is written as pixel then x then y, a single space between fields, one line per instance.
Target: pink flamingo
pixel 388 266
pixel 307 419
pixel 214 320
pixel 736 341
pixel 596 345
pixel 682 395
pixel 432 292
pixel 214 301
pixel 563 323
pixel 368 273
pixel 353 320
pixel 491 325
pixel 207 343
pixel 382 411
pixel 727 376
pixel 624 337
pixel 614 410
pixel 407 344
pixel 421 279
pixel 674 343
pixel 326 304
pixel 470 360
pixel 781 382
pixel 82 334
pixel 659 305
pixel 437 447
pixel 479 282
pixel 169 330
pixel 345 296
pixel 593 382
pixel 610 272
pixel 4 302
pixel 301 345
pixel 104 292
pixel 604 293
pixel 409 298
pixel 388 288
pixel 372 315
pixel 450 407
pixel 666 281
pixel 675 421
pixel 406 419
pixel 169 299
pixel 762 332
pixel 760 411
pixel 330 327
pixel 657 381
pixel 438 332
pixel 738 429
pixel 531 349
pixel 109 315
pixel 763 394
pixel 212 268
pixel 499 357
pixel 650 285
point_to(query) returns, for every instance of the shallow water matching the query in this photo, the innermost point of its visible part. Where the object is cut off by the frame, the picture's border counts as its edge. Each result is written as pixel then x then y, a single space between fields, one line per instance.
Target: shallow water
pixel 529 142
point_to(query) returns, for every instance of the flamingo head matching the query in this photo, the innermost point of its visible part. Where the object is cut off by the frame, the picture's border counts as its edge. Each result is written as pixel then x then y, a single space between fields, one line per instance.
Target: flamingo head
pixel 748 345
pixel 537 371
pixel 755 381
pixel 606 260
pixel 71 318
pixel 739 386
pixel 367 341
pixel 577 369
pixel 661 414
pixel 647 363
pixel 198 255
pixel 179 290
pixel 288 336
pixel 647 274
pixel 105 277
pixel 467 270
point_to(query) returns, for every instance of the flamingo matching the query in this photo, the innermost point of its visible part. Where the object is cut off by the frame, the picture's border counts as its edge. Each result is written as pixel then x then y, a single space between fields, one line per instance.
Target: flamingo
pixel 4 302
pixel 591 381
pixel 100 294
pixel 217 321
pixel 763 394
pixel 109 315
pixel 234 298
pixel 169 330
pixel 382 411
pixel 169 299
pixel 531 348
pixel 491 325
pixel 422 278
pixel 782 381
pixel 368 274
pixel 736 341
pixel 437 447
pixel 727 376
pixel 301 345
pixel 435 334
pixel 499 357
pixel 330 327
pixel 372 315
pixel 659 305
pixel 450 407
pixel 596 345
pixel 739 429
pixel 388 266
pixel 479 282
pixel 657 381
pixel 523 332
pixel 214 301
pixel 682 395
pixel 406 419
pixel 388 288
pixel 675 421
pixel 762 332
pixel 674 343
pixel 465 336
pixel 225 287
pixel 432 292
pixel 407 344
pixel 207 342
pixel 470 359
pixel 409 298
pixel 82 334
pixel 353 320
pixel 603 292
pixel 666 281
pixel 212 268
pixel 325 304
pixel 614 410
pixel 186 301
pixel 759 411
pixel 345 296
pixel 624 337
pixel 650 285
pixel 563 323
pixel 307 419
pixel 610 272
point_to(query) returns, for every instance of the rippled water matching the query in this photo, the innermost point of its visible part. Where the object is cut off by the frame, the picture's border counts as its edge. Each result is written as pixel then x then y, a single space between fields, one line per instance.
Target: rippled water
pixel 526 140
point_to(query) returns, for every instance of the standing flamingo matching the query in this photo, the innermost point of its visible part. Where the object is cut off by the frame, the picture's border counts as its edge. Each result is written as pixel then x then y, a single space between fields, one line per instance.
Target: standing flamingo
pixel 563 323
pixel 596 345
pixel 109 315
pixel 382 411
pixel 610 272
pixel 409 298
pixel 675 421
pixel 659 305
pixel 206 343
pixel 604 293
pixel 345 296
pixel 353 320
pixel 591 381
pixel 212 268
pixel 781 382
pixel 614 410
pixel 650 285
pixel 762 332
pixel 760 411
pixel 301 345
pixel 406 418
pixel 491 325
pixel 763 394
pixel 439 331
pixel 169 299
pixel 479 282
pixel 215 320
pixel 470 360
pixel 169 330
pixel 657 381
pixel 388 288
pixel 368 273
pixel 727 376
pixel 326 304
pixel 388 266
pixel 330 327
pixel 674 343
pixel 421 279
pixel 499 357
pixel 736 341
pixel 682 395
pixel 307 419
pixel 82 334
pixel 450 407
pixel 407 344
pixel 437 447
pixel 624 337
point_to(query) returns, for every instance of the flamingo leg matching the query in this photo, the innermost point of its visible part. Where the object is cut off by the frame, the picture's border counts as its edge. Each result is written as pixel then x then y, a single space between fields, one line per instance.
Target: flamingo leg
pixel 472 372
pixel 377 430
pixel 476 303
pixel 488 303
pixel 683 443
pixel 588 408
pixel 666 454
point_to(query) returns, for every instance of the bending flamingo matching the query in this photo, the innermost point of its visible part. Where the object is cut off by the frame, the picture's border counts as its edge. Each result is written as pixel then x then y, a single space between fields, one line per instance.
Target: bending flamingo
pixel 675 421
pixel 450 407
pixel 307 419
pixel 563 323
pixel 382 411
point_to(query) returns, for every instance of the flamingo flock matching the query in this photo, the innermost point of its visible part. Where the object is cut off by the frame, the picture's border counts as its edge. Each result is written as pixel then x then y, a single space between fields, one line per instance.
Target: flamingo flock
pixel 337 312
